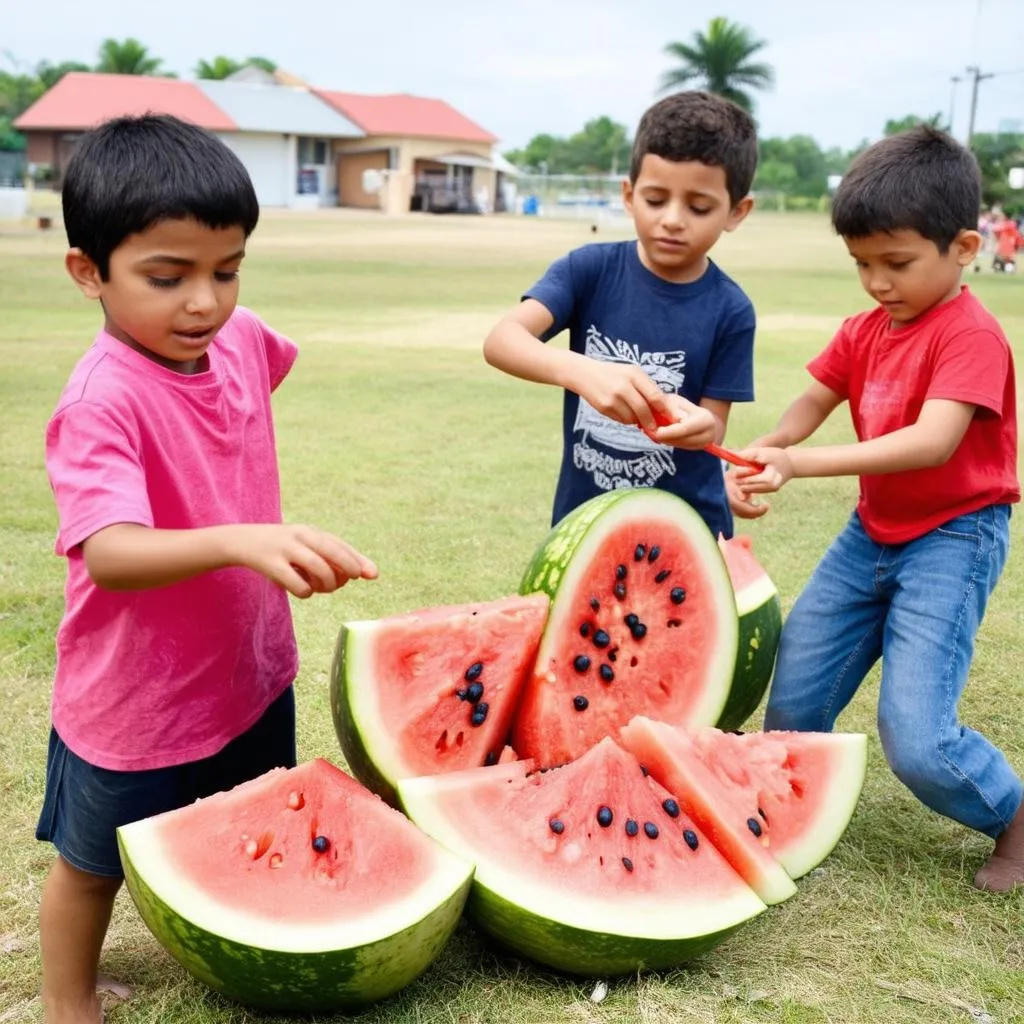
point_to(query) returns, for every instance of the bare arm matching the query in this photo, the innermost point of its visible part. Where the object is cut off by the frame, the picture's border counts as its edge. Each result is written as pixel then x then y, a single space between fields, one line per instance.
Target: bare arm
pixel 802 418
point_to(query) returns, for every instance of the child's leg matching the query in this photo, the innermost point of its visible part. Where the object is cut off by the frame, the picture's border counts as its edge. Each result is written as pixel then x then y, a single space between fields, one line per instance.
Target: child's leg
pixel 831 638
pixel 943 583
pixel 73 920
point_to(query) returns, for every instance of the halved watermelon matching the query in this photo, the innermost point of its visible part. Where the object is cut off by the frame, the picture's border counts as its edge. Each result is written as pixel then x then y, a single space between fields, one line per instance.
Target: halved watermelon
pixel 728 815
pixel 760 615
pixel 805 785
pixel 591 868
pixel 432 690
pixel 298 891
pixel 643 621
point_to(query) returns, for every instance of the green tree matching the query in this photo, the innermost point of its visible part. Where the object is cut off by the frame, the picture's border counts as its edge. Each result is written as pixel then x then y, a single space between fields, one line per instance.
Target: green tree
pixel 902 124
pixel 996 153
pixel 602 147
pixel 18 93
pixel 219 67
pixel 50 74
pixel 128 57
pixel 719 60
pixel 262 62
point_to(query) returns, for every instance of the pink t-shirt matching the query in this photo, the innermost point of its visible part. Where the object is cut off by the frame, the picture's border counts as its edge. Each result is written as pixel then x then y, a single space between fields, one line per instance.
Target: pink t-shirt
pixel 153 678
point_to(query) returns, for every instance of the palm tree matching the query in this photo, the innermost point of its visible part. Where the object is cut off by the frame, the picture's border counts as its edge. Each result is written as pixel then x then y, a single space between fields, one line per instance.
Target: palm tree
pixel 128 57
pixel 719 59
pixel 219 67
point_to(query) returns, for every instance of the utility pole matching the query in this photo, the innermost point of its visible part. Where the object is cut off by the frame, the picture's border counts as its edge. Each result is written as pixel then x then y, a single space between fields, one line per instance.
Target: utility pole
pixel 977 77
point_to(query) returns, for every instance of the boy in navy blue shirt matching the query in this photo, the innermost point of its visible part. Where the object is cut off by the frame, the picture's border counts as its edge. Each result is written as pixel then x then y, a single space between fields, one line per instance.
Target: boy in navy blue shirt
pixel 655 328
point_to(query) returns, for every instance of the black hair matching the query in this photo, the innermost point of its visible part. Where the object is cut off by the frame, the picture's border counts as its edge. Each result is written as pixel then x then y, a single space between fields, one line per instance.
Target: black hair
pixel 131 172
pixel 921 180
pixel 704 127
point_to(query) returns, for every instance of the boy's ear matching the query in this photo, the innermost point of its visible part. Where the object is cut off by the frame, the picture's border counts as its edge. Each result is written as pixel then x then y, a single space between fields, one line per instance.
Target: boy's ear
pixel 738 214
pixel 966 247
pixel 627 195
pixel 84 273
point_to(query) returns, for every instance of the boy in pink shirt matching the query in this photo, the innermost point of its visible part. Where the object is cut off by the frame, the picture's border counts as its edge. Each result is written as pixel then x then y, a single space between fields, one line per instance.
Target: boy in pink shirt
pixel 928 375
pixel 176 653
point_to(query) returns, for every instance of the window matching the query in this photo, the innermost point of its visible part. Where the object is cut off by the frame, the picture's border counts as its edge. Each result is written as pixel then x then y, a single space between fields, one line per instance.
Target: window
pixel 312 151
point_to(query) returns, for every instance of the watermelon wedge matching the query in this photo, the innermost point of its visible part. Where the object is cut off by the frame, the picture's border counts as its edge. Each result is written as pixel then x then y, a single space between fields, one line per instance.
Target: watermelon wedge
pixel 432 690
pixel 591 868
pixel 729 815
pixel 298 891
pixel 643 622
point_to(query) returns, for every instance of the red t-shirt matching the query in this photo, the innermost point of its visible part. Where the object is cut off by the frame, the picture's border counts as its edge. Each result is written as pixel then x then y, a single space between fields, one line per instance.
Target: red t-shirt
pixel 956 351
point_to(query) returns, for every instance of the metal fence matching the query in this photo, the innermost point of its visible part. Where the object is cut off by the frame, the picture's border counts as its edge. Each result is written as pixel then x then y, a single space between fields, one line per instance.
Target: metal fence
pixel 12 169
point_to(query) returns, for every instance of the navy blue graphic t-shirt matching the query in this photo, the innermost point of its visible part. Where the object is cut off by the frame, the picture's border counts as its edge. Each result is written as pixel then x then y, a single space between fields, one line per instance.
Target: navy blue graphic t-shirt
pixel 694 339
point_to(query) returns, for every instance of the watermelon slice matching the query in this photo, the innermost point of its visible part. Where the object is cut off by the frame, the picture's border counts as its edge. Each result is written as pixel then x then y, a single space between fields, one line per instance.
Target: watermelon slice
pixel 643 621
pixel 591 868
pixel 729 815
pixel 760 622
pixel 297 891
pixel 432 690
pixel 805 785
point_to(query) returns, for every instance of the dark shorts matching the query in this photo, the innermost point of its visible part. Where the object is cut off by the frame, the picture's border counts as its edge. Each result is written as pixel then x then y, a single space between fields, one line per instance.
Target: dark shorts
pixel 84 805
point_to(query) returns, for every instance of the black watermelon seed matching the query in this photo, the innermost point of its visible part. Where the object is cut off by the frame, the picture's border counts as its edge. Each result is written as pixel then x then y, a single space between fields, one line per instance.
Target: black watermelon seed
pixel 631 620
pixel 613 654
pixel 580 703
pixel 678 595
pixel 601 639
pixel 474 670
pixel 653 556
pixel 620 572
pixel 645 771
pixel 631 827
pixel 557 826
pixel 595 604
pixel 651 830
pixel 604 816
pixel 585 629
pixel 671 807
pixel 640 552
pixel 663 575
pixel 736 732
pixel 479 715
pixel 627 863
pixel 763 815
pixel 620 591
pixel 321 844
pixel 490 759
pixel 474 692
pixel 639 631
pixel 754 825
pixel 581 663
pixel 607 673
pixel 691 838
pixel 462 694
pixel 674 623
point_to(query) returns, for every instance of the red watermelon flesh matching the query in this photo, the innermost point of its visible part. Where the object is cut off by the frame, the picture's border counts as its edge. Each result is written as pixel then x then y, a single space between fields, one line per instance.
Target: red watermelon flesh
pixel 728 815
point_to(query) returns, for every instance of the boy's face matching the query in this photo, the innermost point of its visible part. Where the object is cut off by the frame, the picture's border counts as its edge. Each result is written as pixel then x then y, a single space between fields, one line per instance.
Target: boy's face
pixel 680 208
pixel 906 274
pixel 170 289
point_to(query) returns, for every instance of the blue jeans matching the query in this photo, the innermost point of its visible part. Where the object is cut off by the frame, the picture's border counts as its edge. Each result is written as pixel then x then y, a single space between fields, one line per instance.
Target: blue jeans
pixel 917 606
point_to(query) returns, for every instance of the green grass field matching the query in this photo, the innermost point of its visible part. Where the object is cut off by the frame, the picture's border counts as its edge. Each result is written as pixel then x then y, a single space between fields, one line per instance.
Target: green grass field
pixel 395 434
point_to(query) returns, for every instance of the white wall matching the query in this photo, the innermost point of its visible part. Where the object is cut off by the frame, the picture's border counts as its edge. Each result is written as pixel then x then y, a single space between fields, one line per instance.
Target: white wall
pixel 270 161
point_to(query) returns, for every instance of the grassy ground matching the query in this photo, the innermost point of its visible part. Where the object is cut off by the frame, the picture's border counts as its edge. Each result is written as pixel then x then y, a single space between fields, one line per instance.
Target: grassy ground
pixel 395 434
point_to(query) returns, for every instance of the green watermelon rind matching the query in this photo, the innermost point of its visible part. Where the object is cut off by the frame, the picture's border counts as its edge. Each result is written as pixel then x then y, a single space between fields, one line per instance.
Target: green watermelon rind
pixel 760 625
pixel 298 980
pixel 551 926
pixel 567 541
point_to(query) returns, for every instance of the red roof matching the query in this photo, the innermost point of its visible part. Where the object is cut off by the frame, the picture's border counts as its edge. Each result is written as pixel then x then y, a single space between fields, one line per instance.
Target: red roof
pixel 83 99
pixel 402 114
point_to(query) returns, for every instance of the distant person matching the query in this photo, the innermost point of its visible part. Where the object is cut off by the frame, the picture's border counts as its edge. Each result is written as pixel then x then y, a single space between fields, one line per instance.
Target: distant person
pixel 1007 242
pixel 655 327
pixel 929 377
pixel 176 653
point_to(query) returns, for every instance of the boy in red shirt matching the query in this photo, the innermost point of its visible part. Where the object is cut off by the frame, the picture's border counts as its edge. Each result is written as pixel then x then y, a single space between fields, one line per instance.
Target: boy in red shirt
pixel 929 377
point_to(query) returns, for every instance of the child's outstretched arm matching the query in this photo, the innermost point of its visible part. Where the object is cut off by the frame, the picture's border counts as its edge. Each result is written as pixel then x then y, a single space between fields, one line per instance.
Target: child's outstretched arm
pixel 622 393
pixel 930 441
pixel 302 559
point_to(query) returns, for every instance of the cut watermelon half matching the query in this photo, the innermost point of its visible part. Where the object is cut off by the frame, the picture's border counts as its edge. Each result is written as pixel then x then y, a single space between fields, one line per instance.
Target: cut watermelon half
pixel 592 868
pixel 298 891
pixel 643 621
pixel 434 690
pixel 805 785
pixel 729 815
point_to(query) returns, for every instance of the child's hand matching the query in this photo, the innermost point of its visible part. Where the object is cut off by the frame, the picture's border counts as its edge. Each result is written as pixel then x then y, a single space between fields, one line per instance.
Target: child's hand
pixel 302 559
pixel 740 502
pixel 622 393
pixel 683 424
pixel 778 470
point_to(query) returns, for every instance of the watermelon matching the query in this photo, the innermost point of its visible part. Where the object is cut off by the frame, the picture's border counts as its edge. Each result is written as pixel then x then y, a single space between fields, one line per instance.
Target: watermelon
pixel 760 625
pixel 297 891
pixel 643 622
pixel 591 868
pixel 432 690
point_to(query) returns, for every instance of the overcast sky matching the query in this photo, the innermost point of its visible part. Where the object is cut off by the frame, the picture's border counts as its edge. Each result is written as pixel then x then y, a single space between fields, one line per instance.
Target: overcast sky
pixel 521 67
